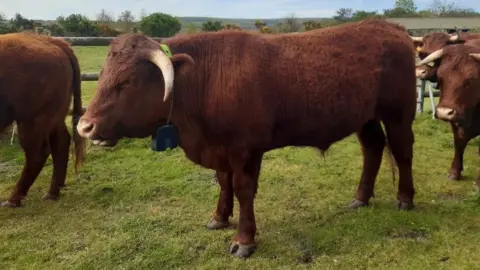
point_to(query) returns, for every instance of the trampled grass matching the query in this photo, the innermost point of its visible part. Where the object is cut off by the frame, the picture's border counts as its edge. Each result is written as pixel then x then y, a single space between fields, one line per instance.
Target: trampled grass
pixel 132 208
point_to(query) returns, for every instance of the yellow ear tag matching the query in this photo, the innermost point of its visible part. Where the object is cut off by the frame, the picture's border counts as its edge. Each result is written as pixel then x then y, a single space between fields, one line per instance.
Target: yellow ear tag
pixel 419 49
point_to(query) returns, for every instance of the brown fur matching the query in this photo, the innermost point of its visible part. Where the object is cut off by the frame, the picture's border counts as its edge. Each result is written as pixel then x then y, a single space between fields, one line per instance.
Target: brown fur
pixel 459 83
pixel 38 77
pixel 238 95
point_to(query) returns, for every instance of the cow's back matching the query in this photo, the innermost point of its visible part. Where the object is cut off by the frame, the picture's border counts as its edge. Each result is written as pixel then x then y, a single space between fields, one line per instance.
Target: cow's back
pixel 338 80
pixel 290 89
pixel 35 77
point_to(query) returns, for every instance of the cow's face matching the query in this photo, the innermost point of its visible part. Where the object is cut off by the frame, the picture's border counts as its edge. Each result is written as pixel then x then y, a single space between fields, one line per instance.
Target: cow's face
pixel 133 92
pixel 434 41
pixel 427 72
pixel 459 80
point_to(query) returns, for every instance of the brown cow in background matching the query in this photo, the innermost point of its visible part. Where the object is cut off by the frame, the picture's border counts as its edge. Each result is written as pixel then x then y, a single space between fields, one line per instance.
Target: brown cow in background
pixel 459 83
pixel 38 77
pixel 435 41
pixel 237 95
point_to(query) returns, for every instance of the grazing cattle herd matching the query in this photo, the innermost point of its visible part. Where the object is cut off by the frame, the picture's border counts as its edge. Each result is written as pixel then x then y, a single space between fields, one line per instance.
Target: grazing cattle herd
pixel 232 96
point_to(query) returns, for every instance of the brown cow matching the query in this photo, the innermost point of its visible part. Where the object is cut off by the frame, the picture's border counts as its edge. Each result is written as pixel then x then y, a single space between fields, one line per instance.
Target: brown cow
pixel 459 83
pixel 38 77
pixel 237 95
pixel 437 40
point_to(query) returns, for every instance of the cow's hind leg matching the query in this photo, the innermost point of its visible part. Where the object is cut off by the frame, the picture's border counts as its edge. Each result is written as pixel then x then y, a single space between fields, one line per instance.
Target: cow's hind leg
pixel 60 145
pixel 372 140
pixel 35 145
pixel 225 202
pixel 245 181
pixel 400 139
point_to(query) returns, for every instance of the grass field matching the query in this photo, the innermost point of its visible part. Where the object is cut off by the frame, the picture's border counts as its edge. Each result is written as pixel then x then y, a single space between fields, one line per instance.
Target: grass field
pixel 132 208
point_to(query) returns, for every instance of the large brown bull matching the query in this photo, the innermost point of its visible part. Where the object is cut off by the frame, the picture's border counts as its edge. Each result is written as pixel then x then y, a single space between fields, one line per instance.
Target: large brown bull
pixel 233 96
pixel 38 77
pixel 459 83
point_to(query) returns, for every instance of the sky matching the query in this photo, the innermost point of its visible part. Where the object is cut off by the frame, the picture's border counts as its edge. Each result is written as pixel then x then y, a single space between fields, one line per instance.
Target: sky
pixel 264 9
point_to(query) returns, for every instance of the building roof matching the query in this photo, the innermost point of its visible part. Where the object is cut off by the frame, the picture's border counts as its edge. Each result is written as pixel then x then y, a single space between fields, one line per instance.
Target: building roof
pixel 437 23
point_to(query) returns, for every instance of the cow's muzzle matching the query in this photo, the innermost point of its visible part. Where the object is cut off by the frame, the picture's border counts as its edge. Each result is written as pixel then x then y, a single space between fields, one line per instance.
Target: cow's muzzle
pixel 85 128
pixel 446 114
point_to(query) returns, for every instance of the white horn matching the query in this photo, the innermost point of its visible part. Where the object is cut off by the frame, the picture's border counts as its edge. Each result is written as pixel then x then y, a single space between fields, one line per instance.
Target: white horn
pixel 163 62
pixel 476 56
pixel 417 39
pixel 454 37
pixel 432 57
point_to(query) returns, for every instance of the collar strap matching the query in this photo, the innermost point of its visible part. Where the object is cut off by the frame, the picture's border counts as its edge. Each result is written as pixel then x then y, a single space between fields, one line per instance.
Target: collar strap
pixel 166 50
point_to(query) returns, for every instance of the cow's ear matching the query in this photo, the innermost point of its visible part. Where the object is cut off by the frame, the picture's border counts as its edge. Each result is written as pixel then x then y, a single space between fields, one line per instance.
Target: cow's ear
pixel 182 63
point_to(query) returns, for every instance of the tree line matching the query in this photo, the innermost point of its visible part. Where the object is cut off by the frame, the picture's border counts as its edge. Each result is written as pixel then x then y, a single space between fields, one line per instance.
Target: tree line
pixel 164 25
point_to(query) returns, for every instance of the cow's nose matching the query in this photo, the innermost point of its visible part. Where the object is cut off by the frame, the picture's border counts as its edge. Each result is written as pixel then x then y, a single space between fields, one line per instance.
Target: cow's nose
pixel 420 74
pixel 443 113
pixel 85 128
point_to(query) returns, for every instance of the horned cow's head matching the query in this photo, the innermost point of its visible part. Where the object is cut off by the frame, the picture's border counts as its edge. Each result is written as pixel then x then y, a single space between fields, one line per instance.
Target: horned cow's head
pixel 434 41
pixel 459 79
pixel 134 86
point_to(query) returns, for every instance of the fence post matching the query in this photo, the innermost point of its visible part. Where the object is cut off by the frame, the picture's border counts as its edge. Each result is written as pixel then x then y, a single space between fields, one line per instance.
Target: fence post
pixel 420 96
pixel 432 101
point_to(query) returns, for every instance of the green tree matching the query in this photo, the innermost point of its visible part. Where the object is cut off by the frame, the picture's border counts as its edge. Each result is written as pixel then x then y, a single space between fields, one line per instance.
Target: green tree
pixel 191 28
pixel 407 5
pixel 5 26
pixel 126 21
pixel 78 25
pixel 55 29
pixel 232 26
pixel 362 15
pixel 105 17
pixel 160 25
pixel 289 25
pixel 20 23
pixel 210 26
pixel 259 24
pixel 311 24
pixel 343 15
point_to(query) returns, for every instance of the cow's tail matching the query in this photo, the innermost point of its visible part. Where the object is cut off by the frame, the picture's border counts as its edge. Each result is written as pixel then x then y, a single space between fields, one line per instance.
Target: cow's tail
pixel 77 111
pixel 391 162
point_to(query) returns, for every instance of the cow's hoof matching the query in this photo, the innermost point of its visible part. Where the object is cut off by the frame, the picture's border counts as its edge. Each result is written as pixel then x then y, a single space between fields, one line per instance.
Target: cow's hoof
pixel 454 176
pixel 357 204
pixel 405 205
pixel 9 204
pixel 49 197
pixel 241 251
pixel 217 225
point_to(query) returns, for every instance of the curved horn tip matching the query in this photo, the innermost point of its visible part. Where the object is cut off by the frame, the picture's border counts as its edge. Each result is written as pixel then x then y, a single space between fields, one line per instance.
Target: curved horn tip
pixel 475 55
pixel 165 64
pixel 431 57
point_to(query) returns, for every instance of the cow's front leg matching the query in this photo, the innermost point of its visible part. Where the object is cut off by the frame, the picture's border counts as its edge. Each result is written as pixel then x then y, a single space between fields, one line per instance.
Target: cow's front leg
pixel 245 182
pixel 225 202
pixel 460 143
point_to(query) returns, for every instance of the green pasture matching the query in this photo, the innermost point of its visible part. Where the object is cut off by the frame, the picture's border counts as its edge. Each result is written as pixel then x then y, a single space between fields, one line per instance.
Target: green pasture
pixel 132 208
